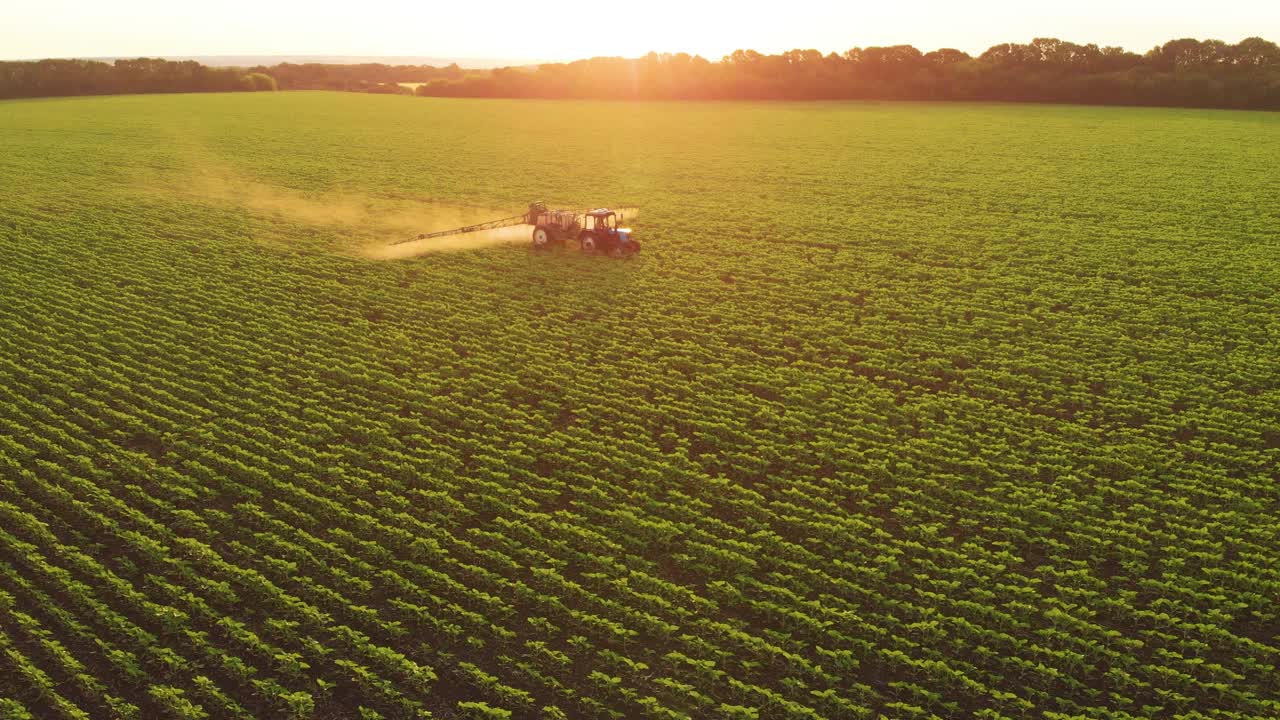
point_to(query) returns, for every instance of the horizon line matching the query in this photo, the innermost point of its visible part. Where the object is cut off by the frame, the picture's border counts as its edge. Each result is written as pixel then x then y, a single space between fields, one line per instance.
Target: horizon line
pixel 491 62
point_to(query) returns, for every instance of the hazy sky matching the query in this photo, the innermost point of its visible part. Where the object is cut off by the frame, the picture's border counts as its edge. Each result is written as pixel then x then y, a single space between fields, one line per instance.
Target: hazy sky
pixel 568 29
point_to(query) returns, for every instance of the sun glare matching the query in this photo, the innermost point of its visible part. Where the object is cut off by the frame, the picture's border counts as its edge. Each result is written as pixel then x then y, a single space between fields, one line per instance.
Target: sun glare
pixel 574 29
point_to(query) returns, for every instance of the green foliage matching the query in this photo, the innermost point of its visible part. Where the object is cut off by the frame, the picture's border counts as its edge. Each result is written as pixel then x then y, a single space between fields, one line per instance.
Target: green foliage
pixel 11 709
pixel 174 704
pixel 1184 72
pixel 256 81
pixel 903 410
pixel 482 711
pixel 45 78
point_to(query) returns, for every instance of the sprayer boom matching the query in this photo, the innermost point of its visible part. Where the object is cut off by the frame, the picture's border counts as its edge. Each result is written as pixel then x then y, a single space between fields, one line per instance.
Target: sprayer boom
pixel 491 225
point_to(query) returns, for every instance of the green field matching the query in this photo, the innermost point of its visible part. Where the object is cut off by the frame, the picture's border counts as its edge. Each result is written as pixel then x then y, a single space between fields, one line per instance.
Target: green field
pixel 904 410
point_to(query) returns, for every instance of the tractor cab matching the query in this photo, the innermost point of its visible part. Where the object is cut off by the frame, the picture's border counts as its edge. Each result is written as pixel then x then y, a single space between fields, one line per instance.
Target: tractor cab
pixel 602 220
pixel 600 233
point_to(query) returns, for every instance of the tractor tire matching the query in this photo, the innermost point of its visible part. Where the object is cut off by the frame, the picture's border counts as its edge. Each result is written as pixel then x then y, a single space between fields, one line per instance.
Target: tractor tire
pixel 541 238
pixel 588 243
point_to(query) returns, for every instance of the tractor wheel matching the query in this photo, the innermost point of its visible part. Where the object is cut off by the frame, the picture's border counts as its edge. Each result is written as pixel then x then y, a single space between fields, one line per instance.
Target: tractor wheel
pixel 541 238
pixel 588 242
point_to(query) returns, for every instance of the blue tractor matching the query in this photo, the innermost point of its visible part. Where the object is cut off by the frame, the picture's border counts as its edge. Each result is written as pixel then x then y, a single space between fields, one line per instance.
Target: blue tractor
pixel 596 231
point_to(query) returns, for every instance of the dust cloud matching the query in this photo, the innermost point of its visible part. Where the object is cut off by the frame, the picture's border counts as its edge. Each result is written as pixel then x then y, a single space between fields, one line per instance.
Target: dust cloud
pixel 226 189
pixel 465 241
pixel 349 223
pixel 369 226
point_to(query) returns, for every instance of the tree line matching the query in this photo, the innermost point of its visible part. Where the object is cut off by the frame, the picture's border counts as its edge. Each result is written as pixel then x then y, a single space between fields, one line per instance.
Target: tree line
pixel 48 78
pixel 1185 72
pixel 361 77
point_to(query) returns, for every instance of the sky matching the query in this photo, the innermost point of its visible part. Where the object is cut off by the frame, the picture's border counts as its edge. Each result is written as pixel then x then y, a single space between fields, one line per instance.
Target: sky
pixel 572 29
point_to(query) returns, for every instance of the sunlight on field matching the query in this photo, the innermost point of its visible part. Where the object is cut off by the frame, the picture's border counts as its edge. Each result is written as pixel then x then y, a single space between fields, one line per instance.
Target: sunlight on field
pixel 904 410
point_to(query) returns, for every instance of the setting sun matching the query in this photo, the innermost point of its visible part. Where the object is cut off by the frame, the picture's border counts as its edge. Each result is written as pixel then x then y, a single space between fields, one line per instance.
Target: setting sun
pixel 572 29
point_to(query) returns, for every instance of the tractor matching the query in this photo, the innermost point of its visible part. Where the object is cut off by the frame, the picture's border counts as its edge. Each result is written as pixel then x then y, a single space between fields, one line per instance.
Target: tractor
pixel 595 230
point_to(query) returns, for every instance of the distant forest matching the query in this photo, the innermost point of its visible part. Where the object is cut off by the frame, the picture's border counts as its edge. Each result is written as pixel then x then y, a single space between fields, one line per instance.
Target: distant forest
pixel 1184 73
pixel 48 78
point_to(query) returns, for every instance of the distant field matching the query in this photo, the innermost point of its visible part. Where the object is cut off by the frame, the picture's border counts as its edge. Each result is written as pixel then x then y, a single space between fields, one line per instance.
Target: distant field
pixel 904 410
